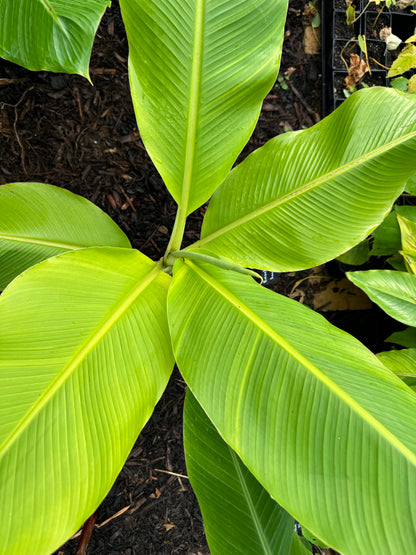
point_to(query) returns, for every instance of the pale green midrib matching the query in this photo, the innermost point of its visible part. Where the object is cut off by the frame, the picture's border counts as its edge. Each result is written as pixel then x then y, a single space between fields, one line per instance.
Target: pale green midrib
pixel 54 16
pixel 43 242
pixel 84 350
pixel 249 501
pixel 193 106
pixel 377 291
pixel 304 189
pixel 49 9
pixel 332 386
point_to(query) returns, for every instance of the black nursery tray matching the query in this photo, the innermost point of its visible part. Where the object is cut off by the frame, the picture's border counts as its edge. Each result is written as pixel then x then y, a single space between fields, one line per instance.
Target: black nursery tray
pixel 336 34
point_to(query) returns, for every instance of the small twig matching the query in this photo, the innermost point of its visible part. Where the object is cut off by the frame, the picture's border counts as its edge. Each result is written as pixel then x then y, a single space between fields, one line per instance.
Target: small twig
pixel 378 63
pixel 16 118
pixel 314 115
pixel 355 42
pixel 119 513
pixel 128 199
pixel 4 81
pixel 362 12
pixel 171 473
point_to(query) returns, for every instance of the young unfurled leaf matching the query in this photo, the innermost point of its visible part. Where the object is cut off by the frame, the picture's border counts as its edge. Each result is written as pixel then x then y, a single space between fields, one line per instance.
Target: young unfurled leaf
pixel 362 44
pixel 350 15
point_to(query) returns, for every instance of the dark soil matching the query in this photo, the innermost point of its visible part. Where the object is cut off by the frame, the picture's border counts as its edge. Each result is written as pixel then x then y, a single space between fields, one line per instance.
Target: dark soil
pixel 342 50
pixel 59 129
pixel 341 28
pixel 374 22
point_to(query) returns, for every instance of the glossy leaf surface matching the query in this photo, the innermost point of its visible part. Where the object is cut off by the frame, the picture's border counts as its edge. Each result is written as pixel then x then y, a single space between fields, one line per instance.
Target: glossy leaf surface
pixel 84 356
pixel 53 35
pixel 307 197
pixel 314 415
pixel 38 221
pixel 199 71
pixel 239 514
pixel 394 292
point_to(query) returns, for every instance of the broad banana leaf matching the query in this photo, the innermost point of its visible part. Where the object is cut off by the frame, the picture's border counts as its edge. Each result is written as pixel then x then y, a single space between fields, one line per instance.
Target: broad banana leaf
pixel 84 356
pixel 308 196
pixel 52 35
pixel 38 221
pixel 394 292
pixel 239 514
pixel 199 71
pixel 314 415
pixel 402 363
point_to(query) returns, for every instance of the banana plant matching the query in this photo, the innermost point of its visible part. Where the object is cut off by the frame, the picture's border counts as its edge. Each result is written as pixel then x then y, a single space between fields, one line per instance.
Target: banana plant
pixel 308 424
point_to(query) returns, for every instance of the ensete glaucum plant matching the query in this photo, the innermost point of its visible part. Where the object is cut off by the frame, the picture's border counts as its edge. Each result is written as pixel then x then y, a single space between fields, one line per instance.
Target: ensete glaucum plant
pixel 286 417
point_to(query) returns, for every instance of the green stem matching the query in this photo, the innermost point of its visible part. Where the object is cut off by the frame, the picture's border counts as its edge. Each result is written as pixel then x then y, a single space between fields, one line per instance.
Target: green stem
pixel 177 234
pixel 219 262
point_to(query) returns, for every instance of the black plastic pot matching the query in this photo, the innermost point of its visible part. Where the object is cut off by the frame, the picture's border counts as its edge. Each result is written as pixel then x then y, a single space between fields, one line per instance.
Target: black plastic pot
pixel 336 34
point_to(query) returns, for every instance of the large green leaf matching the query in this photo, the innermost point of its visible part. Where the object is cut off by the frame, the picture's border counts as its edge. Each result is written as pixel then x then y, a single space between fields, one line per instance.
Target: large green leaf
pixel 307 197
pixel 53 35
pixel 38 221
pixel 84 356
pixel 239 514
pixel 394 292
pixel 314 415
pixel 199 71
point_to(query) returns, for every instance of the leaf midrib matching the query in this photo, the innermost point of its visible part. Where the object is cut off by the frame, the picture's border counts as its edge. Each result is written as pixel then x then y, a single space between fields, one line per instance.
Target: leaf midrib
pixel 84 350
pixel 400 294
pixel 330 384
pixel 193 107
pixel 302 190
pixel 43 242
pixel 250 504
pixel 54 15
